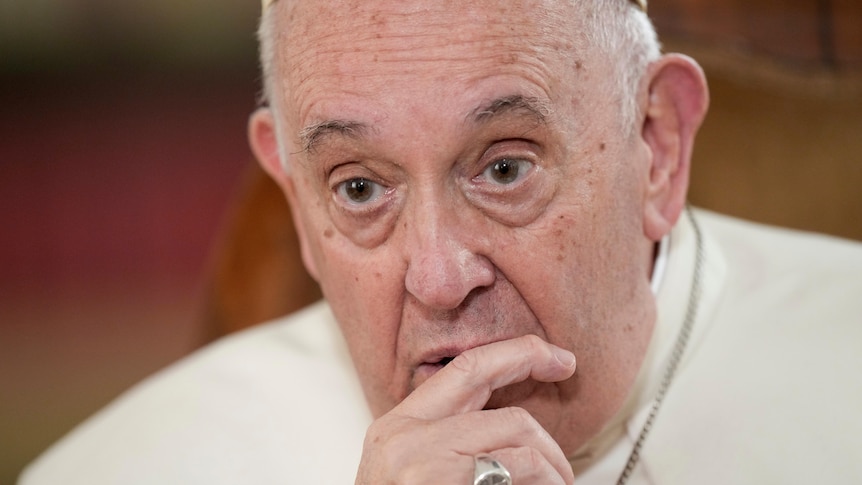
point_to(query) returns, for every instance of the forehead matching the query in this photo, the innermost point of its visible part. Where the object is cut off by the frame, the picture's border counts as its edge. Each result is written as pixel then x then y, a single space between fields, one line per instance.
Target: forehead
pixel 322 26
pixel 419 48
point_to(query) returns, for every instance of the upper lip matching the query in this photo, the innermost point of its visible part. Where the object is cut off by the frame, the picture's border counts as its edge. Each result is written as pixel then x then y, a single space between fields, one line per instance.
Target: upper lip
pixel 436 355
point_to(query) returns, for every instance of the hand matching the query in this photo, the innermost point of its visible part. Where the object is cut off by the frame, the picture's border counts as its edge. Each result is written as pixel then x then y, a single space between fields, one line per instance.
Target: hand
pixel 432 436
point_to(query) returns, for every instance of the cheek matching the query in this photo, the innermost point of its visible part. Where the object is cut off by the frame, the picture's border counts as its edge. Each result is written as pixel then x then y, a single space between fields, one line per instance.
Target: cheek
pixel 360 288
pixel 365 290
pixel 366 297
pixel 541 263
pixel 571 265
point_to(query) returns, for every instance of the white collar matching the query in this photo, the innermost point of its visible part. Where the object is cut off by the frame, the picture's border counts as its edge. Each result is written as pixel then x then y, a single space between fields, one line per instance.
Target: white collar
pixel 659 265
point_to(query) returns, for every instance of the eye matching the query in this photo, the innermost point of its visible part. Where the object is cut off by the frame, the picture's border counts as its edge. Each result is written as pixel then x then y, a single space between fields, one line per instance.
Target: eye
pixel 506 171
pixel 359 190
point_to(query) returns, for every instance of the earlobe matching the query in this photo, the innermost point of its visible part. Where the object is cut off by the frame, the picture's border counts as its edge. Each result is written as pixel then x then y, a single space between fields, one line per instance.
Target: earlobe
pixel 677 101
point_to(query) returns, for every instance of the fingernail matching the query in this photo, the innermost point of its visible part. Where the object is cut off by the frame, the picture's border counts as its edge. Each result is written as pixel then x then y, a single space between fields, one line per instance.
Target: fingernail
pixel 564 357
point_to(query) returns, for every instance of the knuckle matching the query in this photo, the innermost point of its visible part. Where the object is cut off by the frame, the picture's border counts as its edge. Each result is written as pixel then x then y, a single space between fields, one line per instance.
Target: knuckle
pixel 466 363
pixel 375 433
pixel 517 415
pixel 535 345
pixel 534 459
pixel 527 427
pixel 533 339
pixel 397 443
pixel 389 439
pixel 468 368
pixel 528 465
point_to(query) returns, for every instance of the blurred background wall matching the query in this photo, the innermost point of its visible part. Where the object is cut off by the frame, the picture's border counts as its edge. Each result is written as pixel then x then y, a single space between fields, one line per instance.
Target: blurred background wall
pixel 122 147
pixel 122 138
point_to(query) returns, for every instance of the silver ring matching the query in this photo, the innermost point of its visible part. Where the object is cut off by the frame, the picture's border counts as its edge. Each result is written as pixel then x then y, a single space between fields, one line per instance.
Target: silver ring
pixel 489 471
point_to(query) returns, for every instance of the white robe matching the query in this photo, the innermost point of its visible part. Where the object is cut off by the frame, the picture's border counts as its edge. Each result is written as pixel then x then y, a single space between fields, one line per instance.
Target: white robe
pixel 769 389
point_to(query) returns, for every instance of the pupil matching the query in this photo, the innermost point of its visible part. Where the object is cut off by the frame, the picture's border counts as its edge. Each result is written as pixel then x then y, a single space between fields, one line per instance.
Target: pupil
pixel 506 171
pixel 359 190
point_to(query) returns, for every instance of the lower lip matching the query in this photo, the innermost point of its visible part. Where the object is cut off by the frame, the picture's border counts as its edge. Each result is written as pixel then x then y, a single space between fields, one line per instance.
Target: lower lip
pixel 424 372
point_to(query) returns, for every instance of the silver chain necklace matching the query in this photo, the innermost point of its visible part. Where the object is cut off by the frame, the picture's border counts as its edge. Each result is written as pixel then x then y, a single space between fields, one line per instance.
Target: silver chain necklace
pixel 678 350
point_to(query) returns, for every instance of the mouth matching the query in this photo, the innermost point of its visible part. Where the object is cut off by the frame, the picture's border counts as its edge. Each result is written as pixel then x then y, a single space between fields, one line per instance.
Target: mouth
pixel 440 363
pixel 424 371
pixel 435 359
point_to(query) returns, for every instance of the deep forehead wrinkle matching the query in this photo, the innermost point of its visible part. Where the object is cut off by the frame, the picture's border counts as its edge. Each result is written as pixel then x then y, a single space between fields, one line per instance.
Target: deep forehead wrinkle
pixel 312 136
pixel 513 104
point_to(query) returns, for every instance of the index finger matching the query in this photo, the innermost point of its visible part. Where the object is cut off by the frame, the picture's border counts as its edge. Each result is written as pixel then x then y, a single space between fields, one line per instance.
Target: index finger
pixel 467 382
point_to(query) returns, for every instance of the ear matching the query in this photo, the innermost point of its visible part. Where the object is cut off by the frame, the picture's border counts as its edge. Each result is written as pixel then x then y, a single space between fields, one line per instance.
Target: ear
pixel 676 104
pixel 263 139
pixel 264 144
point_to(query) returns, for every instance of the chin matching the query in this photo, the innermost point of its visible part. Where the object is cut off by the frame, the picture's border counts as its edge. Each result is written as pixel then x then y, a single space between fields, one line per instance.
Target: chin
pixel 546 404
pixel 520 394
pixel 542 400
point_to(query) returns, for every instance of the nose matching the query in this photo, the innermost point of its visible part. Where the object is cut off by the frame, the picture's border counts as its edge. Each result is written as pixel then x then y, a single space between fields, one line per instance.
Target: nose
pixel 444 263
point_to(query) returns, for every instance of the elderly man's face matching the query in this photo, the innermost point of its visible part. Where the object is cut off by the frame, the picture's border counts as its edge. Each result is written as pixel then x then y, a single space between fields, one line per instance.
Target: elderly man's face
pixel 459 176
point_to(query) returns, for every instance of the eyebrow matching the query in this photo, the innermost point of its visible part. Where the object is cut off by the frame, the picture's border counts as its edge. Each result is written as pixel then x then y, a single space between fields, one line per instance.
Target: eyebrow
pixel 314 135
pixel 311 136
pixel 514 104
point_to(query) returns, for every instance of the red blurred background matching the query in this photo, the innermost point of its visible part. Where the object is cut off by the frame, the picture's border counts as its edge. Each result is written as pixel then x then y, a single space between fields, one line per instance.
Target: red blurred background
pixel 122 136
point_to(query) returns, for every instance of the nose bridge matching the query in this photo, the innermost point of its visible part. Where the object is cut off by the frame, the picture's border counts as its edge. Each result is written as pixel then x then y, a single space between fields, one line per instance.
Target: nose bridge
pixel 443 262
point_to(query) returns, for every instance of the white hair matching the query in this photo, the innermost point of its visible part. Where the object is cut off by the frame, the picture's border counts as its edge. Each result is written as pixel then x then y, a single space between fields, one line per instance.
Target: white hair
pixel 614 29
pixel 621 32
pixel 267 37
